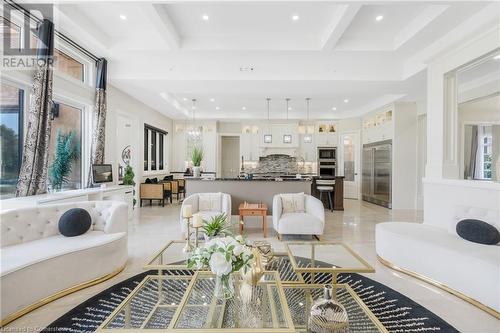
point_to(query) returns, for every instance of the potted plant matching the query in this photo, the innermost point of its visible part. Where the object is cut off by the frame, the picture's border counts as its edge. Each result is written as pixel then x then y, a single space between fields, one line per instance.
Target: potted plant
pixel 224 256
pixel 196 158
pixel 67 151
pixel 128 179
pixel 216 227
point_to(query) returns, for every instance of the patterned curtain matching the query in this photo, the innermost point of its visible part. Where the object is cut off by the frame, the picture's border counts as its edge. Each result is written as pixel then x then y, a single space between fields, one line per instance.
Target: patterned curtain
pixel 99 118
pixel 33 172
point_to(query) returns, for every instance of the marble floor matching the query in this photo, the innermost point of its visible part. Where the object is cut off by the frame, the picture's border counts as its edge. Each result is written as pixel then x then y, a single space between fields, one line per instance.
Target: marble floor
pixel 151 227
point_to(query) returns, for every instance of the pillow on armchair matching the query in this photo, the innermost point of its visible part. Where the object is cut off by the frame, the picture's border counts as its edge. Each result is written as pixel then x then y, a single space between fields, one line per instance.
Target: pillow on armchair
pixel 478 231
pixel 210 202
pixel 293 203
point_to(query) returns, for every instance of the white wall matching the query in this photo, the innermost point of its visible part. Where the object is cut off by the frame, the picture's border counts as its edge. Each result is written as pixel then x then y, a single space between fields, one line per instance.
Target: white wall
pixel 441 195
pixel 122 107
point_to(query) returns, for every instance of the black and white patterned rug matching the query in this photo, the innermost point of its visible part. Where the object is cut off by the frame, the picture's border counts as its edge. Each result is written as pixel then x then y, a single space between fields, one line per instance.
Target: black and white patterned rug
pixel 395 311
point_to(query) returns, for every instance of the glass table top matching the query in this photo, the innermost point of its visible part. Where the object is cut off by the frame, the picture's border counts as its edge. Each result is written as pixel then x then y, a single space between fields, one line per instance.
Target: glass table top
pixel 179 303
pixel 341 258
pixel 300 298
pixel 171 256
pixel 266 308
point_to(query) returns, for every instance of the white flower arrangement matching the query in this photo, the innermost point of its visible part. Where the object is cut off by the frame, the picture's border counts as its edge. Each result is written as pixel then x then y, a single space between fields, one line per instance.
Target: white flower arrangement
pixel 223 255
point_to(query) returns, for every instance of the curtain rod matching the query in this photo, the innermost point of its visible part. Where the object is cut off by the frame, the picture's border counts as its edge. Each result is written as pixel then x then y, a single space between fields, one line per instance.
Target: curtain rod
pixel 57 33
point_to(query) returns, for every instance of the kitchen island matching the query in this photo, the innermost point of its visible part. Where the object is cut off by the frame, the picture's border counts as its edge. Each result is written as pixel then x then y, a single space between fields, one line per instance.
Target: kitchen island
pixel 254 191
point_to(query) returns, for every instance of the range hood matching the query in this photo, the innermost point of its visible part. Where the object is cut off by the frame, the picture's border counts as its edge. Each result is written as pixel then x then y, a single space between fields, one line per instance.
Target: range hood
pixel 266 151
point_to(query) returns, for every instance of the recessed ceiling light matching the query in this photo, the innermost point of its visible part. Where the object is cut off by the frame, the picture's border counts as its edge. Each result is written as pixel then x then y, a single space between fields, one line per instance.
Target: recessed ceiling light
pixel 123 17
pixel 289 108
pixel 212 99
pixel 295 17
pixel 244 108
pixel 217 108
pixel 496 57
pixel 184 99
pixel 334 108
pixel 205 17
pixel 346 100
pixel 379 18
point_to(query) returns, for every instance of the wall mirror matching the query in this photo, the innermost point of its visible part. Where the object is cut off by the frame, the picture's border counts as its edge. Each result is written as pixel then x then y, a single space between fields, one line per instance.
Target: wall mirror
pixel 475 116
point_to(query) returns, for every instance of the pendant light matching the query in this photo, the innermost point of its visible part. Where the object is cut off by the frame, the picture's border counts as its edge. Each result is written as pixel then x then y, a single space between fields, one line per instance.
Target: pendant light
pixel 194 131
pixel 268 138
pixel 307 137
pixel 287 107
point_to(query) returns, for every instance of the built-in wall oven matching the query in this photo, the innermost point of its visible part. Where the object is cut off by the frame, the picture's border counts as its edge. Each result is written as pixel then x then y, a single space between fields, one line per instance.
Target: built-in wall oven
pixel 327 161
pixel 377 173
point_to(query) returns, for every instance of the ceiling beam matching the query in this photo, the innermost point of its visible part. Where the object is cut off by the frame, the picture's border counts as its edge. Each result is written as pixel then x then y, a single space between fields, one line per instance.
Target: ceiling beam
pixel 78 27
pixel 164 25
pixel 342 18
pixel 429 14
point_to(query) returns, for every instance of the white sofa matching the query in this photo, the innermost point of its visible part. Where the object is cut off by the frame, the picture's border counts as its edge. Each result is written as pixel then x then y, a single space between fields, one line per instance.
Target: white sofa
pixel 221 204
pixel 310 222
pixel 38 264
pixel 434 253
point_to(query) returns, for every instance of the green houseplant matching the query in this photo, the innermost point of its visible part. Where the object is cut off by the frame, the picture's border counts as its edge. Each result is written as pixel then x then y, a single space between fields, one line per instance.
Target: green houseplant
pixel 217 226
pixel 128 179
pixel 196 158
pixel 67 151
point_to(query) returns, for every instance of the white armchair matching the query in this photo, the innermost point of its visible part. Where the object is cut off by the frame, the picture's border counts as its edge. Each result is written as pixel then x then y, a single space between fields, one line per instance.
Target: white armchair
pixel 208 205
pixel 309 222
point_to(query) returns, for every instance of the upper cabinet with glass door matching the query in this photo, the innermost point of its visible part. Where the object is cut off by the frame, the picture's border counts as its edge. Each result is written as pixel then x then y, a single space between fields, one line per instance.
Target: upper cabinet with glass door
pixel 478 118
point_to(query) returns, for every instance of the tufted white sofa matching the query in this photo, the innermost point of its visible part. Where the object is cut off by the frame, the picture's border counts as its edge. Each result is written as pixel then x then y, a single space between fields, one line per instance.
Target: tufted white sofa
pixel 310 222
pixel 38 264
pixel 433 252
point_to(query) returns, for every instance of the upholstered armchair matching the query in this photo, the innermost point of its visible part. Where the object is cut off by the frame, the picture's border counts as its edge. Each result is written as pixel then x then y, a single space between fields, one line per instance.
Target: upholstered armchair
pixel 208 205
pixel 310 221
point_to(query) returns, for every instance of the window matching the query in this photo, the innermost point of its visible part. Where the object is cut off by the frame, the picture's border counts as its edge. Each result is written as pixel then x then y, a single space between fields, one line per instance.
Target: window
pixel 12 31
pixel 146 148
pixel 160 147
pixel 65 146
pixel 487 153
pixel 154 148
pixel 11 133
pixel 68 65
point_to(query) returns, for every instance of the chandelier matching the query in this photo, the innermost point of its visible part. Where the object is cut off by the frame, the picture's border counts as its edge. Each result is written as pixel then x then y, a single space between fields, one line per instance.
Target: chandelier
pixel 194 131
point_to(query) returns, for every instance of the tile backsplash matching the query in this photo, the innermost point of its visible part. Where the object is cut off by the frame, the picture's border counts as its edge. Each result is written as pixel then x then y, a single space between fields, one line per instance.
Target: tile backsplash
pixel 278 163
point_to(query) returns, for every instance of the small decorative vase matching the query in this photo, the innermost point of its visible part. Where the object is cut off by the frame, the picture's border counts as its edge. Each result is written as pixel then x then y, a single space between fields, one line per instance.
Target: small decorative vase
pixel 224 286
pixel 254 273
pixel 266 252
pixel 196 172
pixel 328 316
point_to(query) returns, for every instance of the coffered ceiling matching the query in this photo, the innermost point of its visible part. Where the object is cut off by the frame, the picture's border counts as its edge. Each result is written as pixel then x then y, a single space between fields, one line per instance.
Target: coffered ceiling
pixel 230 55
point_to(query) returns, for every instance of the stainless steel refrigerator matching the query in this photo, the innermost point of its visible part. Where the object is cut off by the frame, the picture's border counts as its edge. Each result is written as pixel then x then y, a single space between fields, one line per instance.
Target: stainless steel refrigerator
pixel 377 173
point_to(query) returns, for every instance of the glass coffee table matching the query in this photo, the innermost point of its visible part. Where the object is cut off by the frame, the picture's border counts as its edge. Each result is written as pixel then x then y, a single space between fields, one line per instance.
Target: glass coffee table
pixel 187 303
pixel 339 257
pixel 182 300
pixel 170 256
pixel 300 298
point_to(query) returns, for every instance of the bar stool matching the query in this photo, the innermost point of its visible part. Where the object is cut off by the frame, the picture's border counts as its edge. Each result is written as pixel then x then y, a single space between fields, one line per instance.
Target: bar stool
pixel 326 186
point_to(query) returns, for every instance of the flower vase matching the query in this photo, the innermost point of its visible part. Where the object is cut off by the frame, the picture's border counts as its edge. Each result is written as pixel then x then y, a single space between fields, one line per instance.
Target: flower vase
pixel 196 172
pixel 224 286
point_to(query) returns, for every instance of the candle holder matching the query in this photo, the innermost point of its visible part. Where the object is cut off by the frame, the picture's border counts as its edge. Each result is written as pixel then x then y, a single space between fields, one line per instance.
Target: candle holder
pixel 188 247
pixel 196 236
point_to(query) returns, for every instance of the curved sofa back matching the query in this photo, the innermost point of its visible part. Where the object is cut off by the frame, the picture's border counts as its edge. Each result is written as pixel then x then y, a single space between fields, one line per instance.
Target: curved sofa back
pixel 28 224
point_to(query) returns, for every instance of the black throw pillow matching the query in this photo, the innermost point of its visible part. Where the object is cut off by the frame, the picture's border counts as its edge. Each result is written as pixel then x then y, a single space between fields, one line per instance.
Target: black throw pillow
pixel 75 222
pixel 148 181
pixel 478 231
pixel 155 180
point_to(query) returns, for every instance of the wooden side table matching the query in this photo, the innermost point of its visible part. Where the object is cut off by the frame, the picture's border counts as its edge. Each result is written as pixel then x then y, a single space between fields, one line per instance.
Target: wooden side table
pixel 249 209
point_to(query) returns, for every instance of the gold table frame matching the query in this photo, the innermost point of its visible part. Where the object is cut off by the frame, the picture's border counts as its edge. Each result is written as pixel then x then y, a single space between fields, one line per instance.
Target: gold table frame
pixel 367 268
pixel 156 263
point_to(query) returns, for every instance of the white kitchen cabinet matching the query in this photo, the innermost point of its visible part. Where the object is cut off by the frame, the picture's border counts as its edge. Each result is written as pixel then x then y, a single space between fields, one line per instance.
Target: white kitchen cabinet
pixel 250 146
pixel 308 150
pixel 326 139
